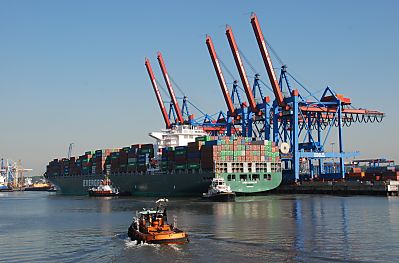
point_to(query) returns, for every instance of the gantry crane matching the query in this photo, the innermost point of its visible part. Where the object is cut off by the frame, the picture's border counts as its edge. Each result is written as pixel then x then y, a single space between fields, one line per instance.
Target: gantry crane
pixel 19 179
pixel 267 60
pixel 295 118
pixel 304 124
pixel 220 76
pixel 241 69
pixel 206 122
pixel 70 150
pixel 180 119
pixel 12 173
pixel 157 93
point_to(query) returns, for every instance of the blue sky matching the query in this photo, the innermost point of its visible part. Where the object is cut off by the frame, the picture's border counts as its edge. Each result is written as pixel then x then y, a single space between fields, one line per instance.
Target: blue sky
pixel 73 71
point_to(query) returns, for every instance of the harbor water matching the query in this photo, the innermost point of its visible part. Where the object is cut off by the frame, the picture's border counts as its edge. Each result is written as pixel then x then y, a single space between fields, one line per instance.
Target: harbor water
pixel 45 227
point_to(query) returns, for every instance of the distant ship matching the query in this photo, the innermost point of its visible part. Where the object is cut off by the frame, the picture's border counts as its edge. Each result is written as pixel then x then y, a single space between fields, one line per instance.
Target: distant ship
pixel 42 185
pixel 6 188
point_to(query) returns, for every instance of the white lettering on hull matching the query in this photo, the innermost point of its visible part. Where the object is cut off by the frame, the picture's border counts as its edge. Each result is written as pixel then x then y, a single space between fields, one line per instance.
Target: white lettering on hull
pixel 91 182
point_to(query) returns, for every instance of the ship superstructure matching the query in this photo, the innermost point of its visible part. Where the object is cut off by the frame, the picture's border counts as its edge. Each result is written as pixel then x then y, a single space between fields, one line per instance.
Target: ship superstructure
pixel 179 135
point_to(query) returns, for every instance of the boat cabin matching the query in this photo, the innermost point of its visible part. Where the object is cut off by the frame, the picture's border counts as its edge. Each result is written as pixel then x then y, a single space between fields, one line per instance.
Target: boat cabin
pixel 153 221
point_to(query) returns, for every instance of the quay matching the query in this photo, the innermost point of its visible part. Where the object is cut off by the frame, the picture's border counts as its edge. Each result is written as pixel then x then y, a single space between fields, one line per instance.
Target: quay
pixel 383 188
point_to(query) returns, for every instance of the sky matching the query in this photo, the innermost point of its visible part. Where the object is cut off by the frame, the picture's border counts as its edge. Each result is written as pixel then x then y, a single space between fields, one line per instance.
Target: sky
pixel 73 70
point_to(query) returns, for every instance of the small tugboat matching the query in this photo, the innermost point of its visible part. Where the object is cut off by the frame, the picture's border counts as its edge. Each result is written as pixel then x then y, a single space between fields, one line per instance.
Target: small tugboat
pixel 104 189
pixel 151 226
pixel 220 192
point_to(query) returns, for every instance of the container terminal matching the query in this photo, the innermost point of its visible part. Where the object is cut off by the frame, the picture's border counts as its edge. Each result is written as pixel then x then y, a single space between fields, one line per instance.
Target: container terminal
pixel 12 176
pixel 271 133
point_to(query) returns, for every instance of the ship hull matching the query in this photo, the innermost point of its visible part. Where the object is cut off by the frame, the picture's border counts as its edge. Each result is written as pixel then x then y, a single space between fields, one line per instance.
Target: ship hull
pixel 41 188
pixel 6 189
pixel 183 184
pixel 161 184
pixel 101 194
pixel 221 197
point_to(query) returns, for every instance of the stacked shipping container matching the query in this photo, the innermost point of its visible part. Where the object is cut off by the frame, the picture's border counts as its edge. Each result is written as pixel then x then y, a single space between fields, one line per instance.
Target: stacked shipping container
pixel 373 174
pixel 203 153
pixel 128 159
pixel 208 150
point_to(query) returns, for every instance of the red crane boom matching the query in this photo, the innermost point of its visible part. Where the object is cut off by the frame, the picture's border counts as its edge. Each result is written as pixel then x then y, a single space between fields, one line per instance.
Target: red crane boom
pixel 220 76
pixel 157 93
pixel 170 88
pixel 266 59
pixel 241 69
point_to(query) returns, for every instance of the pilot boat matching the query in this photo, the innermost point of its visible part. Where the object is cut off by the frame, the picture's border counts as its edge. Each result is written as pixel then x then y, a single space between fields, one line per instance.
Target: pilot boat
pixel 151 226
pixel 104 189
pixel 220 192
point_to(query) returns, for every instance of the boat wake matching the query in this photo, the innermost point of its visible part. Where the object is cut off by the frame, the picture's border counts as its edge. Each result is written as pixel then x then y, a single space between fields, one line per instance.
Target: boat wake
pixel 129 244
pixel 133 244
pixel 175 247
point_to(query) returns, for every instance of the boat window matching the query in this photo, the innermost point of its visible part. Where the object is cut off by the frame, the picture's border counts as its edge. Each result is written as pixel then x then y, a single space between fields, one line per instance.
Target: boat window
pixel 255 177
pixel 268 176
pixel 243 177
pixel 233 177
pixel 229 177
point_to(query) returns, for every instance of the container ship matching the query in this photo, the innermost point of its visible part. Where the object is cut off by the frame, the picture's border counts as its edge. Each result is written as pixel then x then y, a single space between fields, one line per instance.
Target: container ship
pixel 170 168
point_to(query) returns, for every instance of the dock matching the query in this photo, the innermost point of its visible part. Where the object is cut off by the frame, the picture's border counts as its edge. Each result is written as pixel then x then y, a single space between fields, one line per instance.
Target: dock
pixel 383 188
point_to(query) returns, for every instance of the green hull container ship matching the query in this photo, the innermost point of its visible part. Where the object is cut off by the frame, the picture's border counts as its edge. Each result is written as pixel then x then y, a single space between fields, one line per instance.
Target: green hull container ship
pixel 247 166
pixel 158 184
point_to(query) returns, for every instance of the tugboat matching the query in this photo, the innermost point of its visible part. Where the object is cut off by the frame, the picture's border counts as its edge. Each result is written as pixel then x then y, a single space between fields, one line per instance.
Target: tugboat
pixel 104 189
pixel 220 192
pixel 151 226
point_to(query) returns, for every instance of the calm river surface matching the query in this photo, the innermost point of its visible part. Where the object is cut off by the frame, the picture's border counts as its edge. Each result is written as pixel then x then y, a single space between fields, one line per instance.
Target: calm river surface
pixel 45 227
